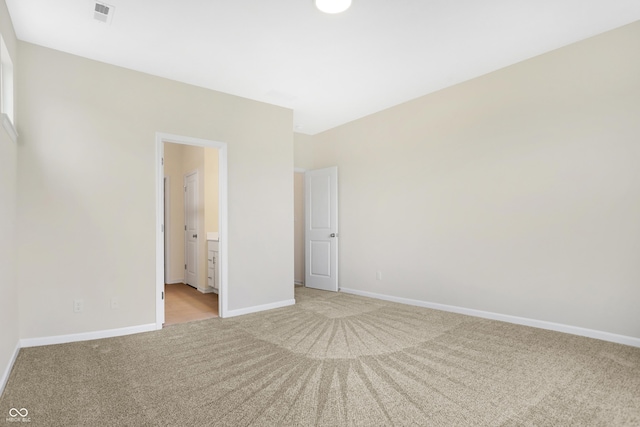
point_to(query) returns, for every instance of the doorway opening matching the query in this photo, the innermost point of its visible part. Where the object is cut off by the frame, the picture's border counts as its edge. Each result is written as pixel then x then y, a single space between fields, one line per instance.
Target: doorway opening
pixel 191 199
pixel 298 227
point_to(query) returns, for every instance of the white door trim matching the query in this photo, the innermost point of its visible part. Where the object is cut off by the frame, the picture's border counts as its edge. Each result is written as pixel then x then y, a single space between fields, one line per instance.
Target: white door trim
pixel 161 138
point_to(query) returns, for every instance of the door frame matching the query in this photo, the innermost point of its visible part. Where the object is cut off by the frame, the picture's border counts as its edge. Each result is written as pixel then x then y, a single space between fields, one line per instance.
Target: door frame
pixel 223 296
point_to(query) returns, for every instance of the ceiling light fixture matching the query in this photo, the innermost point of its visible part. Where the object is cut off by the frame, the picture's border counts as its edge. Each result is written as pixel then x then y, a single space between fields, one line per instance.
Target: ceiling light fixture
pixel 333 6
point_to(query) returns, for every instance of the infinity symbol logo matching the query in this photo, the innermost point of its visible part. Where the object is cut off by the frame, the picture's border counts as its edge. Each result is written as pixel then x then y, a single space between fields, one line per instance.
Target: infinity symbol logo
pixel 13 412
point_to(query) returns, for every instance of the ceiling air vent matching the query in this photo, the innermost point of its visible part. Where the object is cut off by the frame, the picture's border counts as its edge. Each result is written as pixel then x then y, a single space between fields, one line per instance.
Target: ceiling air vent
pixel 103 12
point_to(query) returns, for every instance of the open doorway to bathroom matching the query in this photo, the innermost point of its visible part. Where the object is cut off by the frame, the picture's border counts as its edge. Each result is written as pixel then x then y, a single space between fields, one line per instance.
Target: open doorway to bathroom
pixel 192 210
pixel 191 232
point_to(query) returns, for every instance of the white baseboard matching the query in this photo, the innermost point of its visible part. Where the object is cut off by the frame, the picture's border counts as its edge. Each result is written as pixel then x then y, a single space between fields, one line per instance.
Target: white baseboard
pixel 174 281
pixel 298 283
pixel 542 324
pixel 86 336
pixel 7 371
pixel 257 308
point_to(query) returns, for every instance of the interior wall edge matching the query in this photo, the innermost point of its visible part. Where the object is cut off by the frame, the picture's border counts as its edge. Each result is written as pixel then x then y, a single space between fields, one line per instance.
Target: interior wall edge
pixel 7 370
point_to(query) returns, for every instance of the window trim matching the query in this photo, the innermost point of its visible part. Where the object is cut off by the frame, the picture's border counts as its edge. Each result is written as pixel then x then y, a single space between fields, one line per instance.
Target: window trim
pixel 8 126
pixel 7 69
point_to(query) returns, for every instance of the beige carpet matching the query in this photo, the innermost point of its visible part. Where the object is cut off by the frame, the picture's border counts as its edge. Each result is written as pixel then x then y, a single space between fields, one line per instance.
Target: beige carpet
pixel 331 360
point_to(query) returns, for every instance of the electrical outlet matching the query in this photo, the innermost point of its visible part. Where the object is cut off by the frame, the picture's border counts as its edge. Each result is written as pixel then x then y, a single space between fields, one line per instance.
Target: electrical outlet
pixel 115 304
pixel 78 306
pixel 379 275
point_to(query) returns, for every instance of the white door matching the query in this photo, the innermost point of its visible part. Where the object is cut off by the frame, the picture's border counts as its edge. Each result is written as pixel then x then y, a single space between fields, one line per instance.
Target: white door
pixel 191 229
pixel 321 229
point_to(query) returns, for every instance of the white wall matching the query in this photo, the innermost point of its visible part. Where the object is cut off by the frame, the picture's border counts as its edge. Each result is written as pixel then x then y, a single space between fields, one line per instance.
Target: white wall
pixel 211 182
pixel 303 151
pixel 87 190
pixel 9 318
pixel 516 193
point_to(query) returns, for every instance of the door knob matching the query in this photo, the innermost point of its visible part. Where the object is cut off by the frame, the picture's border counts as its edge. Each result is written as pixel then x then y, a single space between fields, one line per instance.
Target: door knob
pixel 332 235
pixel 195 236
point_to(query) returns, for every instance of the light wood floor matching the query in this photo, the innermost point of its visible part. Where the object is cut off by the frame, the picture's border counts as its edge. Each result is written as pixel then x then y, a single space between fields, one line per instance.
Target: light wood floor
pixel 183 303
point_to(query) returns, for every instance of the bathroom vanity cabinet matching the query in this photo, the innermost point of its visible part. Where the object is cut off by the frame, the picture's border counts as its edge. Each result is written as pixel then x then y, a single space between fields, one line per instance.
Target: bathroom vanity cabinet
pixel 212 264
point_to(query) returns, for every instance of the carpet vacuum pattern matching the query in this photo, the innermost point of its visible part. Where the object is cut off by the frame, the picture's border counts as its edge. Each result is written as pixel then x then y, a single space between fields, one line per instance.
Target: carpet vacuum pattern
pixel 331 360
